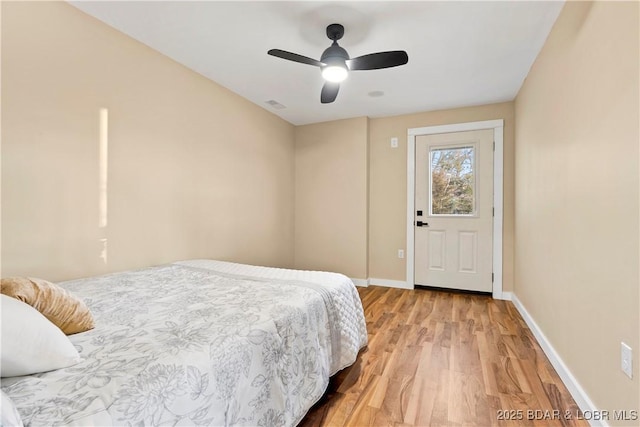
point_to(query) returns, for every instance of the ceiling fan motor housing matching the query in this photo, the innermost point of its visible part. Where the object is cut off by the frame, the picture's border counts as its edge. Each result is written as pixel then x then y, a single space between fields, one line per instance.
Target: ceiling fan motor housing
pixel 334 55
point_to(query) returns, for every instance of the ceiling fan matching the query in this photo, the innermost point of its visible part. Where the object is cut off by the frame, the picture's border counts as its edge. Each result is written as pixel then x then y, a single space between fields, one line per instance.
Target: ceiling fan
pixel 336 64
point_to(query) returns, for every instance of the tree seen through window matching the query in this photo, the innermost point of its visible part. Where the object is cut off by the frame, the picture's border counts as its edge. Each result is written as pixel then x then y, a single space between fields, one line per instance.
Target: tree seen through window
pixel 452 181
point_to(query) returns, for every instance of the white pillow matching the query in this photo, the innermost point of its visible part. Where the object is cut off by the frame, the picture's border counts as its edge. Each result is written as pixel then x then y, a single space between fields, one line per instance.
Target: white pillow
pixel 30 342
pixel 9 415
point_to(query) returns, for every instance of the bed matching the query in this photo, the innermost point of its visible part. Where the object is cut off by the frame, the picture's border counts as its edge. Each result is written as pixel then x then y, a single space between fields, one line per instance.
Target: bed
pixel 200 342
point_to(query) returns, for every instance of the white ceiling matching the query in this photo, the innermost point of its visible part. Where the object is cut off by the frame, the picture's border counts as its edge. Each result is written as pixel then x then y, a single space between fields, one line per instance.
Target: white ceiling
pixel 460 53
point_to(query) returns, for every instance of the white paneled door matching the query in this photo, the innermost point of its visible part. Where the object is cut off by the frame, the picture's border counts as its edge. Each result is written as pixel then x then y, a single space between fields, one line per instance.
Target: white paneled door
pixel 454 210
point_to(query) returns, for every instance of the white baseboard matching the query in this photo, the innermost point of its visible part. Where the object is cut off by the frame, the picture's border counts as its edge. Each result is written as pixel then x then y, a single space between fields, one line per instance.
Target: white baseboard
pixel 360 282
pixel 381 282
pixel 390 283
pixel 506 296
pixel 400 284
pixel 577 392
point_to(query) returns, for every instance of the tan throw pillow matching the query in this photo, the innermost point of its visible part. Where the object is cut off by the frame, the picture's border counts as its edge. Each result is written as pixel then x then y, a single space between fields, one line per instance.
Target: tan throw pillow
pixel 64 310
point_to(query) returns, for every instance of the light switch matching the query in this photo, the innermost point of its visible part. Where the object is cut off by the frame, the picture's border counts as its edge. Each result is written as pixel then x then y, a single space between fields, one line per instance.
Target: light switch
pixel 394 142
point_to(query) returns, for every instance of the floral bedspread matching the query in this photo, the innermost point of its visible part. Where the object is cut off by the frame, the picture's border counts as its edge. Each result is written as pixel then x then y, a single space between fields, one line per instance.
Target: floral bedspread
pixel 187 345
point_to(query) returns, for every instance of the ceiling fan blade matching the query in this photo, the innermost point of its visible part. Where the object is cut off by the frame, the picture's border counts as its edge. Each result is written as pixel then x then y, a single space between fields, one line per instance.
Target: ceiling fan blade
pixel 294 57
pixel 376 61
pixel 329 92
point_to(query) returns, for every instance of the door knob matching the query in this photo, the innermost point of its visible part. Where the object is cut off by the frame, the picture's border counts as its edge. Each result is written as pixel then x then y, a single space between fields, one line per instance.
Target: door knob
pixel 422 224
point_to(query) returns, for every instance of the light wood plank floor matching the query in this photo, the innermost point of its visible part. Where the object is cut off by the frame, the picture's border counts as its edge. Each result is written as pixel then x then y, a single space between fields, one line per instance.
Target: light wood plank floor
pixel 444 359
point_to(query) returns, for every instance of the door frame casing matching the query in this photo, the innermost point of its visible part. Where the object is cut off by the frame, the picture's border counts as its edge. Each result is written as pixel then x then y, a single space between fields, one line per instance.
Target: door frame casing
pixel 498 172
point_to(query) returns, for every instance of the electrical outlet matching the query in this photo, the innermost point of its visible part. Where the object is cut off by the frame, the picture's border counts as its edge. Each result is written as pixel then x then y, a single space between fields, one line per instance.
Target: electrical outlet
pixel 400 253
pixel 626 359
pixel 394 142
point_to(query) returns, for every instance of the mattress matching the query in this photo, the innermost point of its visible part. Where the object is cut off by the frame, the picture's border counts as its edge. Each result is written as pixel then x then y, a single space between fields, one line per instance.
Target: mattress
pixel 200 342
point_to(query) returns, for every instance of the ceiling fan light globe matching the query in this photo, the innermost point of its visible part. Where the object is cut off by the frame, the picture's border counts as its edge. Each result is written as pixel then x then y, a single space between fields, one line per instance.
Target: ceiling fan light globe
pixel 334 73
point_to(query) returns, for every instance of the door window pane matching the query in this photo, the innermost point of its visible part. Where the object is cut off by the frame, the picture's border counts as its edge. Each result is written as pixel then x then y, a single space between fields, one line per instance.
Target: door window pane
pixel 453 181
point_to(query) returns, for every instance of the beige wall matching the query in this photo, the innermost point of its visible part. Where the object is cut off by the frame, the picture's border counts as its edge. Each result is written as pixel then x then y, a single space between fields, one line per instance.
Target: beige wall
pixel 331 197
pixel 193 169
pixel 388 185
pixel 577 255
pixel 335 161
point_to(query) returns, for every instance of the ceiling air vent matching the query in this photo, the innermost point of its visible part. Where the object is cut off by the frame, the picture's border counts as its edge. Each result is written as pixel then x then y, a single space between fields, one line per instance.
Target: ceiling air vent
pixel 275 104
